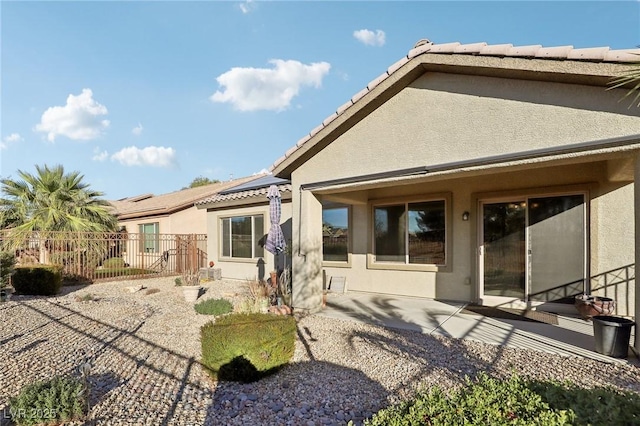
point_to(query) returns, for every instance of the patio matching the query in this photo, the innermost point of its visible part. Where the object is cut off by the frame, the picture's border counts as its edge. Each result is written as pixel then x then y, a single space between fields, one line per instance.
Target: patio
pixel 557 334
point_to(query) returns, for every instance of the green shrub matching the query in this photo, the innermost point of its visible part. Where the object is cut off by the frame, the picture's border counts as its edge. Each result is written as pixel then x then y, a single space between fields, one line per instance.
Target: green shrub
pixel 178 282
pixel 481 401
pixel 214 307
pixel 119 272
pixel 233 342
pixel 42 280
pixel 50 402
pixel 114 262
pixel 7 266
pixel 597 406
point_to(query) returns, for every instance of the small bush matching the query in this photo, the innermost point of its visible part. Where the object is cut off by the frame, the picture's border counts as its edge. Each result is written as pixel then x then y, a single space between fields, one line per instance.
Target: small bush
pixel 178 282
pixel 50 402
pixel 264 341
pixel 152 291
pixel 85 298
pixel 114 262
pixel 214 307
pixel 7 267
pixel 42 280
pixel 482 401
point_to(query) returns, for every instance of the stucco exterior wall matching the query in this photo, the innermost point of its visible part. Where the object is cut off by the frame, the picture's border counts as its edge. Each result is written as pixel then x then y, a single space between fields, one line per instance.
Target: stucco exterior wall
pixel 243 269
pixel 443 118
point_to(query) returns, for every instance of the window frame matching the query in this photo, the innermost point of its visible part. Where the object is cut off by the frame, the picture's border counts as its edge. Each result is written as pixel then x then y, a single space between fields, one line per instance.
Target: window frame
pixel 254 238
pixel 144 237
pixel 340 263
pixel 405 266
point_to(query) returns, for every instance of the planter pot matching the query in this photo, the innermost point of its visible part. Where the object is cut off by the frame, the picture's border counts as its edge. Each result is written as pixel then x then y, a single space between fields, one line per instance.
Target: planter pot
pixel 589 306
pixel 191 293
pixel 612 335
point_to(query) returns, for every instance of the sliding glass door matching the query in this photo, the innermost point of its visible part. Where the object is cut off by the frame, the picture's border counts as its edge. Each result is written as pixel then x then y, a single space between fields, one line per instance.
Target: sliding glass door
pixel 533 248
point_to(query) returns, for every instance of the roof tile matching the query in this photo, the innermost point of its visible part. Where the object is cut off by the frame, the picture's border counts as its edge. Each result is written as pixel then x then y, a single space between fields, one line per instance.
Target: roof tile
pixel 303 140
pixel 397 65
pixel 257 192
pixel 444 47
pixel 470 48
pixel 330 118
pixel 316 130
pixel 590 54
pixel 524 51
pixel 359 95
pixel 627 55
pixel 379 79
pixel 558 52
pixel 496 49
pixel 419 50
pixel 342 108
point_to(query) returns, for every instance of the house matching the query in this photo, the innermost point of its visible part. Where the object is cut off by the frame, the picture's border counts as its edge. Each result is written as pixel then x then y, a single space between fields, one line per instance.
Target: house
pixel 496 174
pixel 164 230
pixel 238 221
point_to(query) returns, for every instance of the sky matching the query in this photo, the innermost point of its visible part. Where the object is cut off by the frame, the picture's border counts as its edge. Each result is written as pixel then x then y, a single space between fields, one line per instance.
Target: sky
pixel 143 97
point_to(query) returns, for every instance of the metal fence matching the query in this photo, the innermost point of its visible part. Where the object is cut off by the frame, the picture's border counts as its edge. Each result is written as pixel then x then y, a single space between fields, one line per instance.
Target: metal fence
pixel 96 256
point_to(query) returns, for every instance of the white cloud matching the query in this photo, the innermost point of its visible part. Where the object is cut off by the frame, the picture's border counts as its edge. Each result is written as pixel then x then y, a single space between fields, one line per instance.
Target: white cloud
pixel 370 38
pixel 248 6
pixel 252 89
pixel 99 155
pixel 155 156
pixel 79 119
pixel 137 130
pixel 262 172
pixel 12 138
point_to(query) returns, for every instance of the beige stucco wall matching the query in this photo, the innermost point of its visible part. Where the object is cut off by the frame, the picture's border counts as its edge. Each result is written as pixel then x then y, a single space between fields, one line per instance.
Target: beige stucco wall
pixel 242 269
pixel 443 118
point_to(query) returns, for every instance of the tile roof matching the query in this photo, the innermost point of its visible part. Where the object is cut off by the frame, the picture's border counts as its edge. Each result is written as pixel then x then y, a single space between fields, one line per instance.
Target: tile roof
pixel 148 204
pixel 255 193
pixel 424 46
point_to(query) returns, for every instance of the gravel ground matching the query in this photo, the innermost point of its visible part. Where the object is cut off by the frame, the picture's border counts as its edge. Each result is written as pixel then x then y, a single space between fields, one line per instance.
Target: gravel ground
pixel 144 350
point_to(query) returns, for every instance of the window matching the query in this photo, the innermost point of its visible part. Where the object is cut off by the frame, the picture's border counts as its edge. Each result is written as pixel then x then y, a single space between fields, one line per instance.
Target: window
pixel 150 237
pixel 410 233
pixel 335 234
pixel 241 236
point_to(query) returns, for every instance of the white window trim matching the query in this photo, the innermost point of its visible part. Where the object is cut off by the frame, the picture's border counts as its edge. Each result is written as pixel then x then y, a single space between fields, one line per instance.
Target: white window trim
pixel 230 258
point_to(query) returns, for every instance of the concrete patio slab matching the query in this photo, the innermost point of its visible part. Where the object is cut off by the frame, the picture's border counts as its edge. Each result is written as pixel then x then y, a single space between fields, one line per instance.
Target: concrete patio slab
pixel 568 337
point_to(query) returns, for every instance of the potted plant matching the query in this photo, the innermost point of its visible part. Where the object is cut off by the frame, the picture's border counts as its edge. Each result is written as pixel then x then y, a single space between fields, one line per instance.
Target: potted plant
pixel 191 285
pixel 7 264
pixel 589 306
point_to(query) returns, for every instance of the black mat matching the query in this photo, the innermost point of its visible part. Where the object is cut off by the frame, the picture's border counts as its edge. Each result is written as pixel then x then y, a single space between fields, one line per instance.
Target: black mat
pixel 512 314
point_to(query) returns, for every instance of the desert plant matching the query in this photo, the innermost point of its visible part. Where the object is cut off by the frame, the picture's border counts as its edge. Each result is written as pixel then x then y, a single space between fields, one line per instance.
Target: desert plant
pixel 257 289
pixel 264 341
pixel 190 277
pixel 178 282
pixel 53 401
pixel 484 400
pixel 114 262
pixel 214 307
pixel 88 297
pixel 250 305
pixel 44 280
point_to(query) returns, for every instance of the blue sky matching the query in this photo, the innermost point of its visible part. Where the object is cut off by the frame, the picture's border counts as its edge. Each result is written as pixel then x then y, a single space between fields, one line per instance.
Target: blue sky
pixel 142 97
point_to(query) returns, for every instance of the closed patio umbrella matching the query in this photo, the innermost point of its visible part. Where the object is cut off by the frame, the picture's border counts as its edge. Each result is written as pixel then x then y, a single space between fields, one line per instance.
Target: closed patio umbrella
pixel 275 242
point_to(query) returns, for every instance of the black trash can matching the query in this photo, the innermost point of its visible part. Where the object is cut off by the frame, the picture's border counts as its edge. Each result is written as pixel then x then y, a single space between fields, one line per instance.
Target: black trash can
pixel 612 335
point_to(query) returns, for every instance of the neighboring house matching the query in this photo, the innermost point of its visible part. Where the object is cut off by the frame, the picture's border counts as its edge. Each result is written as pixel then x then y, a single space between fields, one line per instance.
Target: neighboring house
pixel 487 173
pixel 151 216
pixel 238 222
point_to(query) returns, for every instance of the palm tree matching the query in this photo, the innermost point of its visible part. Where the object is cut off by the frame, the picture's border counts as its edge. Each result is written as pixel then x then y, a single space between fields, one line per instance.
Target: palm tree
pixel 51 200
pixel 631 79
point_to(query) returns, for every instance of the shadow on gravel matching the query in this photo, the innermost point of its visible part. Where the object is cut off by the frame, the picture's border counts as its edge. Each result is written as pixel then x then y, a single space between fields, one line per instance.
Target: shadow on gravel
pixel 130 377
pixel 291 397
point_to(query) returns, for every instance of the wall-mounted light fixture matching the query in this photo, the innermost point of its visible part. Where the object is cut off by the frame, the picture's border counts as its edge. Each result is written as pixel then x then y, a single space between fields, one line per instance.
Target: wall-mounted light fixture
pixel 465 216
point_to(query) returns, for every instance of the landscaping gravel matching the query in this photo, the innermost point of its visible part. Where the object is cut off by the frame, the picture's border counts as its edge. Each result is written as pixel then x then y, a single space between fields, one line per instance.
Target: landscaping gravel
pixel 144 351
